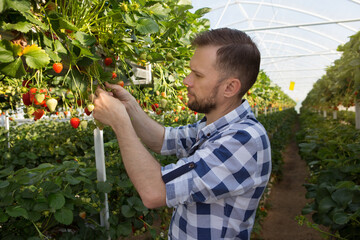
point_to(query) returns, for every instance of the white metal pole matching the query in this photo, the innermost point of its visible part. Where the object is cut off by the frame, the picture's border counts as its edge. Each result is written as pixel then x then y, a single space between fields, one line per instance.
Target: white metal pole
pixel 101 173
pixel 324 114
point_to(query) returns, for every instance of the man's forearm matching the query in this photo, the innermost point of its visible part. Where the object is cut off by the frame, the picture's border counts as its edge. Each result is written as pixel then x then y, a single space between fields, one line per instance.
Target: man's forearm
pixel 143 169
pixel 149 131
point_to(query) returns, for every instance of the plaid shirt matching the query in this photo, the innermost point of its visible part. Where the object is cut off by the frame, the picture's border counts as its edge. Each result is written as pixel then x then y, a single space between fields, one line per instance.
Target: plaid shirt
pixel 222 171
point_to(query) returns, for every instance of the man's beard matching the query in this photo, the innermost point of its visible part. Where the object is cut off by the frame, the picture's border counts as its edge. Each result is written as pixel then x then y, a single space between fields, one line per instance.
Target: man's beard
pixel 204 105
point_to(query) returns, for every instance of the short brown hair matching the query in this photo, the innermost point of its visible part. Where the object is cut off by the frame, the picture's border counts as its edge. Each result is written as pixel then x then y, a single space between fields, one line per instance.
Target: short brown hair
pixel 238 56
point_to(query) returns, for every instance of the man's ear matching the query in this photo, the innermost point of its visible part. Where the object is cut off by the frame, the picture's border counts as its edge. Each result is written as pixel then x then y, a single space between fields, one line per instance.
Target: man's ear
pixel 233 86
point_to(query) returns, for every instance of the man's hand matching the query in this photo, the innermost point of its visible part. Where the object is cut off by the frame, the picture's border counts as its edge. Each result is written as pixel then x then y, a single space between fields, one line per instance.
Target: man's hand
pixel 120 93
pixel 108 109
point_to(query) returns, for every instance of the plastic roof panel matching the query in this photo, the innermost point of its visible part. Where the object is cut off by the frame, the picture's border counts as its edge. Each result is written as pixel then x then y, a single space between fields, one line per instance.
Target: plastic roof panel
pixel 297 39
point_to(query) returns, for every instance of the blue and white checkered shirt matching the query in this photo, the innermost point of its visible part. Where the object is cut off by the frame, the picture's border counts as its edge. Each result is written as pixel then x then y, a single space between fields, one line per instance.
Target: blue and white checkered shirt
pixel 222 171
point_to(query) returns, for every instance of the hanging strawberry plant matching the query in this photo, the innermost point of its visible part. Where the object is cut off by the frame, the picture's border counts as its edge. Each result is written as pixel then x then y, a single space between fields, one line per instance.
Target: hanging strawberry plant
pixel 68 48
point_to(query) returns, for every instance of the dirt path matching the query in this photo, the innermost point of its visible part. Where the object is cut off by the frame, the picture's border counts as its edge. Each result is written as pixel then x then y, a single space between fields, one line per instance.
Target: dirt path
pixel 287 198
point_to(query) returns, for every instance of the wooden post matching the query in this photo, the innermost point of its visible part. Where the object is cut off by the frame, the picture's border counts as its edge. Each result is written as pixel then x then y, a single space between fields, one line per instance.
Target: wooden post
pixel 334 114
pixel 101 173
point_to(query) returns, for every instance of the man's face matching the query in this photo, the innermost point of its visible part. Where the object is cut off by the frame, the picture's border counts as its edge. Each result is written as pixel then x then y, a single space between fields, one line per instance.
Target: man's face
pixel 203 81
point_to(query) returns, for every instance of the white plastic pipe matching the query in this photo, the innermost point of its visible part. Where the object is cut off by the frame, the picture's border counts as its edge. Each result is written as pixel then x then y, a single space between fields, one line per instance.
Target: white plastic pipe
pixel 101 173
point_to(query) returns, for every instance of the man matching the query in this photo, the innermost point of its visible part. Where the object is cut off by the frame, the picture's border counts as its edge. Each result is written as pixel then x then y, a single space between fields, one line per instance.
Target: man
pixel 224 159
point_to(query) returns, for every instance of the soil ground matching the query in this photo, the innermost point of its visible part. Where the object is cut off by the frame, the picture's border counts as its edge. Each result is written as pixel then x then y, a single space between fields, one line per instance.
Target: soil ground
pixel 287 198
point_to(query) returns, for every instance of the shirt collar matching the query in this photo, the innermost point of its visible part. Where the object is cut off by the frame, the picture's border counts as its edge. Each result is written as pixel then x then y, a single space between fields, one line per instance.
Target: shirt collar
pixel 241 112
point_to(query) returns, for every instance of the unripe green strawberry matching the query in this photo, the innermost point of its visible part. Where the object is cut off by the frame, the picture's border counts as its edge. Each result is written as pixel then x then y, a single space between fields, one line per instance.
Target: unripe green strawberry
pixel 51 103
pixel 90 107
pixel 83 124
pixel 40 97
pixel 163 103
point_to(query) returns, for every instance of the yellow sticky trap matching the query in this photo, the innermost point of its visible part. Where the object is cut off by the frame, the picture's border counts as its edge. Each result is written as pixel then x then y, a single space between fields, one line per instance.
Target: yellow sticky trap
pixel 292 85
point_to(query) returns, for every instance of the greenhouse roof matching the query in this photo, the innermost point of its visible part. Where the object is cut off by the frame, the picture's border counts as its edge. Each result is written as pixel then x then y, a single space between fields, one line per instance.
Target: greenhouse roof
pixel 298 40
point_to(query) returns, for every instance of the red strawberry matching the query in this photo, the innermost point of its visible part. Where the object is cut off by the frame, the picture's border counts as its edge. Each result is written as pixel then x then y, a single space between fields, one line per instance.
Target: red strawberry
pixel 87 111
pixel 32 93
pixel 121 83
pixel 108 61
pixel 26 99
pixel 58 67
pixel 26 83
pixel 82 215
pixel 113 75
pixel 39 113
pixel 75 122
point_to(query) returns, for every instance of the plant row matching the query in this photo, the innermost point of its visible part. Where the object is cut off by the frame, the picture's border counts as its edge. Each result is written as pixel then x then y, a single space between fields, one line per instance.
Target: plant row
pixel 48 184
pixel 331 149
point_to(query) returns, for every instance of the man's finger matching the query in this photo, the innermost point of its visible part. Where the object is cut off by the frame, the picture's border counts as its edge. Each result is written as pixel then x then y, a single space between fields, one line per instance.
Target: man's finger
pixel 98 91
pixel 92 97
pixel 113 86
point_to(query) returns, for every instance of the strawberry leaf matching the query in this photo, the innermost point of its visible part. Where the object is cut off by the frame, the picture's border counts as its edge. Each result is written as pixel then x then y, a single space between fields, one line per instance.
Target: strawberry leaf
pixel 17 211
pixel 6 53
pixel 21 26
pixel 64 216
pixel 20 5
pixel 56 200
pixel 146 26
pixel 36 57
pixel 15 69
pixel 85 39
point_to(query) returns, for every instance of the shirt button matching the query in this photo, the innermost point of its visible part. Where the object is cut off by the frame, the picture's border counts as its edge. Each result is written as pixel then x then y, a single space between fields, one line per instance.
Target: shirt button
pixel 208 134
pixel 191 165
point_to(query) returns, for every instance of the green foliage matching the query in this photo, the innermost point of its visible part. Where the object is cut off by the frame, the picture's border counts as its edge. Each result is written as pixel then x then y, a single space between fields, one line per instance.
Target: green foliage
pixel 331 150
pixel 341 83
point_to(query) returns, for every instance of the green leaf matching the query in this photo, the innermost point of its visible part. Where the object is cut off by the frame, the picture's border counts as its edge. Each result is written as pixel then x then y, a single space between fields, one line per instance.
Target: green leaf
pixel 203 11
pixel 124 229
pixel 35 56
pixel 4 184
pixel 71 179
pixel 77 82
pixel 104 187
pixel 56 200
pixel 21 26
pixel 127 211
pixel 340 218
pixel 64 216
pixel 30 17
pixel 3 216
pixel 355 62
pixel 85 39
pixel 6 53
pixel 146 26
pixel 342 196
pixel 65 24
pixel 34 216
pixel 159 11
pixel 17 211
pixel 326 204
pixel 14 69
pixel 309 208
pixel 19 5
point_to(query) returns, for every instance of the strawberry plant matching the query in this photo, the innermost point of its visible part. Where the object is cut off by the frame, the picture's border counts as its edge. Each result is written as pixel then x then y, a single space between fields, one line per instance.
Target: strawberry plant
pixel 331 150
